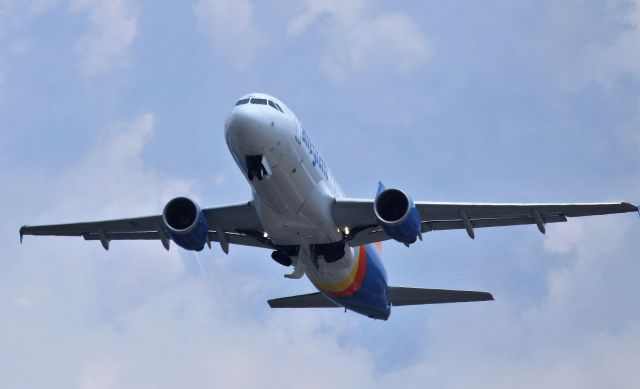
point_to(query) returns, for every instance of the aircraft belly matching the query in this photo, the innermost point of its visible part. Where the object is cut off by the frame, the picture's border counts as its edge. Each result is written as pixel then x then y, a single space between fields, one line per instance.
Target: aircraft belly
pixel 291 203
pixel 336 278
pixel 361 286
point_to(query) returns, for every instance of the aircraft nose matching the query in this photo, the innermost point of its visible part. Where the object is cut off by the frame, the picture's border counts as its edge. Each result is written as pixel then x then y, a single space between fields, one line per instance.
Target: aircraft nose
pixel 249 129
pixel 245 118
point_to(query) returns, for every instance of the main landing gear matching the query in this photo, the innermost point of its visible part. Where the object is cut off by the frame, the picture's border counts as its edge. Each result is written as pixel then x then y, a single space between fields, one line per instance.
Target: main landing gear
pixel 256 167
pixel 330 252
pixel 282 258
pixel 283 255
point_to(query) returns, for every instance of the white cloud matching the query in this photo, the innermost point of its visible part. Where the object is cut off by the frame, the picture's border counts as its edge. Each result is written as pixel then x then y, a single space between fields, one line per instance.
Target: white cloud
pixel 622 55
pixel 3 76
pixel 583 45
pixel 113 27
pixel 112 179
pixel 132 317
pixel 10 8
pixel 583 332
pixel 231 29
pixel 359 42
pixel 13 14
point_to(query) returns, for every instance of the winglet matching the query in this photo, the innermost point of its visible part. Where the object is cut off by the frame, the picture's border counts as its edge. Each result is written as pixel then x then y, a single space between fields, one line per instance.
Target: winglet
pixel 21 233
pixel 628 204
pixel 381 188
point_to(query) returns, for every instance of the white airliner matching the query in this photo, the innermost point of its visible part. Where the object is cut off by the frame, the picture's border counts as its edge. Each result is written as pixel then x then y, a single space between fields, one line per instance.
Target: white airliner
pixel 299 212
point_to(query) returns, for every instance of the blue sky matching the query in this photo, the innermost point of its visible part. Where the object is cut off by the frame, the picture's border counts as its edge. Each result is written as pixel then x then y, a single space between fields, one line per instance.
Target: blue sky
pixel 111 108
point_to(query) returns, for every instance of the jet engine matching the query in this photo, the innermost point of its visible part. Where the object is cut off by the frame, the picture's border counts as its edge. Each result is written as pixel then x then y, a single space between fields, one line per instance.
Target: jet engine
pixel 397 215
pixel 185 223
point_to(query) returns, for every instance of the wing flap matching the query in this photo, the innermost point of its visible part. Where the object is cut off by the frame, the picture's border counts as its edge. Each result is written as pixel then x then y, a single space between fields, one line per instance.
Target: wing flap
pixel 399 296
pixel 481 223
pixel 376 234
pixel 311 300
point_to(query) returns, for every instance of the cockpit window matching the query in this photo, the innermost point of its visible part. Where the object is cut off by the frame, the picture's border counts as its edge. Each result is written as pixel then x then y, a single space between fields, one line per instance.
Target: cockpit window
pixel 272 104
pixel 259 101
pixel 277 106
pixel 243 101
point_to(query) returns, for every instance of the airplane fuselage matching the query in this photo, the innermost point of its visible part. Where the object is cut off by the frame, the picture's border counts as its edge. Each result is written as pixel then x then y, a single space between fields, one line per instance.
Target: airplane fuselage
pixel 293 193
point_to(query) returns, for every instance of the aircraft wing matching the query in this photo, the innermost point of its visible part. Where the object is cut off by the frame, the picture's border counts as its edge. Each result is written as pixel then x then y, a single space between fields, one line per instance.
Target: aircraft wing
pixel 359 216
pixel 238 224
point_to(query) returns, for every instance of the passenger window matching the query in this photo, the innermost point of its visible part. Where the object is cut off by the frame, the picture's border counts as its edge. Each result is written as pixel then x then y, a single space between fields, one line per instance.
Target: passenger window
pixel 243 101
pixel 259 101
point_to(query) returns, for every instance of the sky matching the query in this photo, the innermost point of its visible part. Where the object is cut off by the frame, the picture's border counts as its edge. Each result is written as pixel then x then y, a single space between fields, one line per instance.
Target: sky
pixel 109 108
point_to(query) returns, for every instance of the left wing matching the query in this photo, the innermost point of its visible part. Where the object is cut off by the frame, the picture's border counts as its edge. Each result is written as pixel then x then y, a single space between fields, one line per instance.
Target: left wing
pixel 235 224
pixel 359 216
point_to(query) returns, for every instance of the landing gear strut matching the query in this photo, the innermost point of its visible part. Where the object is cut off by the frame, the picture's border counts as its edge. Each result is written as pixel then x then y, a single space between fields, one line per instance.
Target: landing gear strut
pixel 255 167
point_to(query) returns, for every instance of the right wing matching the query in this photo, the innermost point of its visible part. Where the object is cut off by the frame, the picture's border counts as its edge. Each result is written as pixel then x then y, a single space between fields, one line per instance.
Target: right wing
pixel 236 224
pixel 359 216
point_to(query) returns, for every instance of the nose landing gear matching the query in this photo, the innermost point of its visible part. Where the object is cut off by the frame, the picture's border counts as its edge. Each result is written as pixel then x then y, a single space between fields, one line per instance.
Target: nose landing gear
pixel 256 167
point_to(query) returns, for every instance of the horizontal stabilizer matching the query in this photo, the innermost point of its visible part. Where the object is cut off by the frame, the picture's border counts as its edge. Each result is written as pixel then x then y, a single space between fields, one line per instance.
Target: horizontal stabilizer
pixel 416 296
pixel 311 300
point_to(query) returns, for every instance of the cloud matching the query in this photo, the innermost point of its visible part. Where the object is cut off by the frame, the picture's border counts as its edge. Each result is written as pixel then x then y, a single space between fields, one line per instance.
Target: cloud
pixel 621 55
pixel 113 27
pixel 358 42
pixel 231 29
pixel 13 15
pixel 138 316
pixel 106 44
pixel 112 179
pixel 132 316
pixel 580 333
pixel 3 77
pixel 586 45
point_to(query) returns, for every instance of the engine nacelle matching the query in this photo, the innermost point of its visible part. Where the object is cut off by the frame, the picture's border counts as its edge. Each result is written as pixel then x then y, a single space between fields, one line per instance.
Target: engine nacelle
pixel 397 215
pixel 185 223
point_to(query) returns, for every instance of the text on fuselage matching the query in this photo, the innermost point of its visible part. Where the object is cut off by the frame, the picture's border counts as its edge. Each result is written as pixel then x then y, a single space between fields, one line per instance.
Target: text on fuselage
pixel 316 159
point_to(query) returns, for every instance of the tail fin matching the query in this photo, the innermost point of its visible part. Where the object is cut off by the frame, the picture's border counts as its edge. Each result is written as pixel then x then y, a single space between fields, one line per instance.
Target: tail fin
pixel 399 296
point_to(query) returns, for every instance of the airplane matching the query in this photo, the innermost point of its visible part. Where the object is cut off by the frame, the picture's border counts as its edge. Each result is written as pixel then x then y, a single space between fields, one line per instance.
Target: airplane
pixel 300 213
